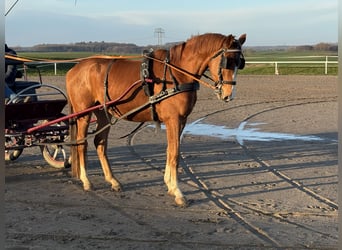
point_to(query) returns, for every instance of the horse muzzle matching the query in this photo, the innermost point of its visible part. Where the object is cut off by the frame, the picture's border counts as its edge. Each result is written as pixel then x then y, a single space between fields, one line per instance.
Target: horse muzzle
pixel 221 93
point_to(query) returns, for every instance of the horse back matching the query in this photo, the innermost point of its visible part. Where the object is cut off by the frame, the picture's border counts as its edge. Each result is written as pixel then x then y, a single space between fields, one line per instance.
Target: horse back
pixel 87 82
pixel 94 71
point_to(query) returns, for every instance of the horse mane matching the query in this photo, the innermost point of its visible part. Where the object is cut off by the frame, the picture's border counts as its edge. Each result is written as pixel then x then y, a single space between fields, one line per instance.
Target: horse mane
pixel 209 42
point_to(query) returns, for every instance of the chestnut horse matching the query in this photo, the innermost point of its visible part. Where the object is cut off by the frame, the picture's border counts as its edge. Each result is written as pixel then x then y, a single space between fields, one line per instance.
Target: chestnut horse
pixel 167 77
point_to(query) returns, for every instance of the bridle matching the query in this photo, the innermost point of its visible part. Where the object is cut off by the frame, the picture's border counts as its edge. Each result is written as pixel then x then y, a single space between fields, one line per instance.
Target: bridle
pixel 233 63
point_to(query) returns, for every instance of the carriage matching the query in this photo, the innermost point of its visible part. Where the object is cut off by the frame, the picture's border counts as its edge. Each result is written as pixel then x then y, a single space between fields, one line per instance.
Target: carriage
pixel 34 104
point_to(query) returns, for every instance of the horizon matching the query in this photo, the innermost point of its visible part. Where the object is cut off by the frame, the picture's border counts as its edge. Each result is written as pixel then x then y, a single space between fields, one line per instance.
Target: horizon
pixel 248 46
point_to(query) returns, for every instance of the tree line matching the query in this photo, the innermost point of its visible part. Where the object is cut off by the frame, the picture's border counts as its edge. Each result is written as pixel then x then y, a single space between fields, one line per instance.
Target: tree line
pixel 94 47
pixel 318 47
pixel 130 48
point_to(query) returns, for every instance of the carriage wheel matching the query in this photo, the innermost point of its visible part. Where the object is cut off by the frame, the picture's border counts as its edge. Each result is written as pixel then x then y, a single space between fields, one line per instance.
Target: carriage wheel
pixel 11 155
pixel 55 155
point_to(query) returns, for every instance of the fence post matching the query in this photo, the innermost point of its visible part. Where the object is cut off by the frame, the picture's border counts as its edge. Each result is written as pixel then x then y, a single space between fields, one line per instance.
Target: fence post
pixel 326 65
pixel 55 68
pixel 276 72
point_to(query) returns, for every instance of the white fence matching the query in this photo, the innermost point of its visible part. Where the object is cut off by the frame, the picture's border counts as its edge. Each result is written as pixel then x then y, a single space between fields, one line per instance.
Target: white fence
pixel 276 64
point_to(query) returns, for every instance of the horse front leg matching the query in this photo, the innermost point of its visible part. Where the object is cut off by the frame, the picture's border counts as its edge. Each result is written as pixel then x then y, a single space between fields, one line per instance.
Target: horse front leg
pixel 101 142
pixel 173 130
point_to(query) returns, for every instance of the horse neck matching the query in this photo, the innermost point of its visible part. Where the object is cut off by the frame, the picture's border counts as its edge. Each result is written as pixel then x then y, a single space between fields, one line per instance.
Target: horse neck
pixel 193 58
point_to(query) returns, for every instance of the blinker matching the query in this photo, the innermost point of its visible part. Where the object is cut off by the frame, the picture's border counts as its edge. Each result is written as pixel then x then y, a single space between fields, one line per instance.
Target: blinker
pixel 230 62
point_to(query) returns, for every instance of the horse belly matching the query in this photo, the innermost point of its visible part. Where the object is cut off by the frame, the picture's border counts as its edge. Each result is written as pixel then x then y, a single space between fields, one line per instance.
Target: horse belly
pixel 138 103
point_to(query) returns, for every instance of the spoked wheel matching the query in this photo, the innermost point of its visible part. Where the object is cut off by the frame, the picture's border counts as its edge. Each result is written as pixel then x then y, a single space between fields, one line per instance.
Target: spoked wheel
pixel 55 156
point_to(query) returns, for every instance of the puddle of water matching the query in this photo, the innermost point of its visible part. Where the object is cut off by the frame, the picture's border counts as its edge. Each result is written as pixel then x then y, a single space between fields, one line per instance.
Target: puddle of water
pixel 241 133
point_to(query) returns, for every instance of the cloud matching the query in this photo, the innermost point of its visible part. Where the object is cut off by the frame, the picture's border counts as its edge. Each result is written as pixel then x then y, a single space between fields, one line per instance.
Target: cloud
pixel 265 22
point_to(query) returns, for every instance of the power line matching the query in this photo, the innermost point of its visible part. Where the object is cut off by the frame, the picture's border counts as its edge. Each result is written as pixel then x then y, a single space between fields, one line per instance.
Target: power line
pixel 11 7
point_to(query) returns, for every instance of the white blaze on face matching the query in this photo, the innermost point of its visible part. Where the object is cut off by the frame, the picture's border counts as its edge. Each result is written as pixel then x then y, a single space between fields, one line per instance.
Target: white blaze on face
pixel 232 96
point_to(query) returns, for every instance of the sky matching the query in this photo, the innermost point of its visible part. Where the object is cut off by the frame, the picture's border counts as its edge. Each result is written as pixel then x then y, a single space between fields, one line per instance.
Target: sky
pixel 266 22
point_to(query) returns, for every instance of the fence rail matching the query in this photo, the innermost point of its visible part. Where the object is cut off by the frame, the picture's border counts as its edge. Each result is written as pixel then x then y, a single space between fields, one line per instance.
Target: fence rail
pixel 325 63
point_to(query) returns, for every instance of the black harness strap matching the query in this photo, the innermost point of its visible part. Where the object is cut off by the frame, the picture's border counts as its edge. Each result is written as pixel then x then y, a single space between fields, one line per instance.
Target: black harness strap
pixel 148 83
pixel 106 95
pixel 167 59
pixel 105 82
pixel 164 94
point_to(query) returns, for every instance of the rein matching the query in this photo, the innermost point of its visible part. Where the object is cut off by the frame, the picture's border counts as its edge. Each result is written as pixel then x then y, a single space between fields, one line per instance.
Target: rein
pixel 152 100
pixel 193 77
pixel 219 53
pixel 164 94
pixel 169 92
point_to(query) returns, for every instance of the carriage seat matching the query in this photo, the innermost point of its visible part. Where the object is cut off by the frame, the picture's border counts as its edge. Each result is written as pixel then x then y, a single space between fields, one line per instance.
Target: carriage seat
pixel 38 110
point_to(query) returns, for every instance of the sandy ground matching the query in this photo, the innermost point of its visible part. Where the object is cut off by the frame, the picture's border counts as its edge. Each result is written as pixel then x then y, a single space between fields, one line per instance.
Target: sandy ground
pixel 247 190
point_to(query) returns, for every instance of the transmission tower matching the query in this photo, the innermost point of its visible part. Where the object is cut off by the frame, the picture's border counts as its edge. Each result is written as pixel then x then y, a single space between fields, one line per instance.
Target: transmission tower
pixel 159 33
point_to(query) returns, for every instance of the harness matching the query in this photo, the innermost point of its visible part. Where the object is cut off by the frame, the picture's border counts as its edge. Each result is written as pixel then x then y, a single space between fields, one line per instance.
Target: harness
pixel 148 82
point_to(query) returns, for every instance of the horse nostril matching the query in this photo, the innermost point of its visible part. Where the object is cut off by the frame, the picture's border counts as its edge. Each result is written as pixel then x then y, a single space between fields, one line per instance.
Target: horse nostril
pixel 228 98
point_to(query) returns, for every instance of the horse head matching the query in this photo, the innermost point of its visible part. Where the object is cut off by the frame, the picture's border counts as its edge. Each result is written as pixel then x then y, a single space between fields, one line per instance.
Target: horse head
pixel 224 64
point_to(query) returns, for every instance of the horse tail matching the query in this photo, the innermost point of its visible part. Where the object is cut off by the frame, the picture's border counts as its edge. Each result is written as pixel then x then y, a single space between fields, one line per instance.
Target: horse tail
pixel 75 165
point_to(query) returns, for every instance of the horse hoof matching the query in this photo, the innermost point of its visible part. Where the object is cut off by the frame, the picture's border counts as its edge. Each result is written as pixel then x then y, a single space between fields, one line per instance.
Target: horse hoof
pixel 87 187
pixel 181 202
pixel 117 188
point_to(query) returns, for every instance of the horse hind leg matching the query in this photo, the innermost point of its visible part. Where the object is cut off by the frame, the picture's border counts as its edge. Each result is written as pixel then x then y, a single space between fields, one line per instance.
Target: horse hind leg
pixel 81 152
pixel 75 164
pixel 101 142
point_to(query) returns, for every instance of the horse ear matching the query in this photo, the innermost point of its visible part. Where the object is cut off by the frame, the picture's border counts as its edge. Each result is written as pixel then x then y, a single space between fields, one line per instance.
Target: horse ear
pixel 242 39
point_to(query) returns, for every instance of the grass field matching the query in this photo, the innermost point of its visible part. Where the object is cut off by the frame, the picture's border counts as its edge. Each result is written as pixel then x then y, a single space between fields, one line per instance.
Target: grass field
pixel 291 63
pixel 258 63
